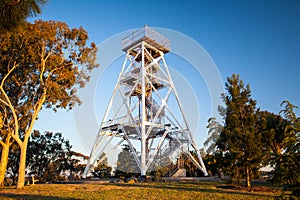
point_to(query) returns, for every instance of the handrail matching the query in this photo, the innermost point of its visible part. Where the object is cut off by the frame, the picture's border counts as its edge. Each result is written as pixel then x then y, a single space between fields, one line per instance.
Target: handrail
pixel 148 32
pixel 117 121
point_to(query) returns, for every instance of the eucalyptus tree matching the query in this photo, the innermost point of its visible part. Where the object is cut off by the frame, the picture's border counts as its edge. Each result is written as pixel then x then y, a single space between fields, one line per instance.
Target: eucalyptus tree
pixel 6 140
pixel 42 66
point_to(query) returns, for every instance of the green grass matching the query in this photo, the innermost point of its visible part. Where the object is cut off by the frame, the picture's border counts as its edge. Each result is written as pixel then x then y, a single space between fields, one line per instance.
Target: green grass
pixel 159 191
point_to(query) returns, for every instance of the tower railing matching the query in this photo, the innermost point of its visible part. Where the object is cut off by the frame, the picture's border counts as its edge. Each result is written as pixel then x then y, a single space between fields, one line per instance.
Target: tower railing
pixel 145 33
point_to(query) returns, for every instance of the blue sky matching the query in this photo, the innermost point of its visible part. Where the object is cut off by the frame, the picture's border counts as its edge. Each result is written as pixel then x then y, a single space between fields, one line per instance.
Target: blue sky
pixel 257 39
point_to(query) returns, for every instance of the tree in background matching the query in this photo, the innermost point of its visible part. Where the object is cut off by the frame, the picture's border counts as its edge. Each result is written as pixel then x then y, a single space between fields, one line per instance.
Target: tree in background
pixel 240 139
pixel 102 170
pixel 126 164
pixel 272 129
pixel 285 147
pixel 191 169
pixel 42 65
pixel 15 12
pixel 78 165
pixel 214 131
pixel 49 156
pixel 13 163
pixel 254 138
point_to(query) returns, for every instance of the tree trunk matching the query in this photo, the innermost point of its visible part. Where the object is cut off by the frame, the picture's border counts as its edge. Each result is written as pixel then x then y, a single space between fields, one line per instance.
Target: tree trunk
pixel 248 180
pixel 4 161
pixel 22 165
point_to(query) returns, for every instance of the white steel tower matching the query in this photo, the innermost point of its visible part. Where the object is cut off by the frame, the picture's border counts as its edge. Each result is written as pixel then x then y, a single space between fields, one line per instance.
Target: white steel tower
pixel 145 111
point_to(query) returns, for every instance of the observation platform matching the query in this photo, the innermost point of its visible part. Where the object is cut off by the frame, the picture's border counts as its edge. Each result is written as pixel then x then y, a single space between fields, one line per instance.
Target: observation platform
pixel 131 131
pixel 118 125
pixel 148 35
pixel 156 132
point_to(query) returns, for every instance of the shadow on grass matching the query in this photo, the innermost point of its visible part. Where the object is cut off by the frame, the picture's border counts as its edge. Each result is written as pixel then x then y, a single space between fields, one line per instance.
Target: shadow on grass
pixel 32 196
pixel 188 188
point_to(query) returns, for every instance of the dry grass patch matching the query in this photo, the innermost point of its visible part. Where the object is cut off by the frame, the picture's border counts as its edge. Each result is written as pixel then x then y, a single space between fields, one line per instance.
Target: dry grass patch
pixel 160 191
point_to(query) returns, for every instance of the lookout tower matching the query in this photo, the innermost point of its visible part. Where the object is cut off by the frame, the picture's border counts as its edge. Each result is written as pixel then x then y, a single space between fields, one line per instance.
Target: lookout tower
pixel 144 117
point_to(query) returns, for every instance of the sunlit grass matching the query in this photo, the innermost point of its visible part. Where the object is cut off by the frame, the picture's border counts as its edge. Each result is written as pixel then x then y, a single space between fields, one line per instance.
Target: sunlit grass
pixel 160 191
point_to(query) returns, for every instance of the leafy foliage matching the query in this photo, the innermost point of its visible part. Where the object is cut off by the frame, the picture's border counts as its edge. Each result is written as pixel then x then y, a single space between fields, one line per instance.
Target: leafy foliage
pixel 45 56
pixel 42 65
pixel 252 138
pixel 240 139
pixel 214 131
pixel 13 162
pixel 272 127
pixel 102 170
pixel 126 164
pixel 48 155
pixel 286 157
pixel 15 12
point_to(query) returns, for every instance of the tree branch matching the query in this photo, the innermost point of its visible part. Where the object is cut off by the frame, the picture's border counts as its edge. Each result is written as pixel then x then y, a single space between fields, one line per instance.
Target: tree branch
pixel 35 113
pixel 43 66
pixel 2 143
pixel 8 73
pixel 9 104
pixel 4 102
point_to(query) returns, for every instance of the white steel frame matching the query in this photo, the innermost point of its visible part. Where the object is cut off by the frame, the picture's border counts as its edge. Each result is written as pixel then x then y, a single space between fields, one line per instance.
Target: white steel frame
pixel 137 76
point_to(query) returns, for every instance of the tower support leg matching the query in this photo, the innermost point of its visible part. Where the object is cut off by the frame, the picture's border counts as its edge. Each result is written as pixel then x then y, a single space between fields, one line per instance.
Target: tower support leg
pixel 144 156
pixel 143 136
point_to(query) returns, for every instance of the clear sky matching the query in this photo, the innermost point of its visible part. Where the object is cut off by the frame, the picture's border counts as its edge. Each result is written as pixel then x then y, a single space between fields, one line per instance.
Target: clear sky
pixel 257 39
